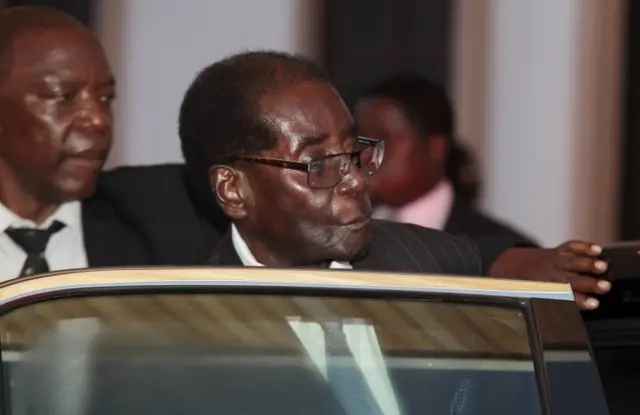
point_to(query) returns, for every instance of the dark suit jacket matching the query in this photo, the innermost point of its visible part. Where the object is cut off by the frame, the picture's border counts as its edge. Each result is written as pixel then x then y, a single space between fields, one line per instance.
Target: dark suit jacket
pixel 398 247
pixel 464 220
pixel 145 216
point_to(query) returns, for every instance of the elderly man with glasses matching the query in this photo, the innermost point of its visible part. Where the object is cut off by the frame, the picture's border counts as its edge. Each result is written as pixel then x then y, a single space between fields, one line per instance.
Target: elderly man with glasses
pixel 270 136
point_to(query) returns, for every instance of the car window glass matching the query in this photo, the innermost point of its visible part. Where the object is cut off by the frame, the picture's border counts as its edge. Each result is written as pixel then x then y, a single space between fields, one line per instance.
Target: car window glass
pixel 266 354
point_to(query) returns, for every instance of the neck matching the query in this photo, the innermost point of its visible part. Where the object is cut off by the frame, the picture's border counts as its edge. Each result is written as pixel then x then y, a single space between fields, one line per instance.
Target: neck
pixel 22 203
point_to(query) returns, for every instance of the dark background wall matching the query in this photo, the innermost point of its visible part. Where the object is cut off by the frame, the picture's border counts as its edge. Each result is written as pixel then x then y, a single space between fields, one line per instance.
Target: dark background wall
pixel 366 40
pixel 629 219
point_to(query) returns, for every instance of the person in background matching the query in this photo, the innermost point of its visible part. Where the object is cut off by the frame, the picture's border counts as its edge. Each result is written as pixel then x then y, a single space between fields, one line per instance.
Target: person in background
pixel 428 177
pixel 279 149
pixel 57 211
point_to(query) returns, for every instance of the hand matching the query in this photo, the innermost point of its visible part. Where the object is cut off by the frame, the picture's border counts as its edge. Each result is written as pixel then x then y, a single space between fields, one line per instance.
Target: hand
pixel 575 262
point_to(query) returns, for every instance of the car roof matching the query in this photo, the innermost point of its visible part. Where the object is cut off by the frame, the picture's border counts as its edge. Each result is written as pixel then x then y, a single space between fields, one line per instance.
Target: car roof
pixel 109 278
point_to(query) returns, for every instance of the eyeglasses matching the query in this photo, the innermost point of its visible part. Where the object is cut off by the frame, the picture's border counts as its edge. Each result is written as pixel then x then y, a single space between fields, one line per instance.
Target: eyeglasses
pixel 326 172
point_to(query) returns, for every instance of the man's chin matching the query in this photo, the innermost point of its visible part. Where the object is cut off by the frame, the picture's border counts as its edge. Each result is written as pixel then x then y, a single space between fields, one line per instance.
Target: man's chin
pixel 355 249
pixel 79 191
pixel 361 254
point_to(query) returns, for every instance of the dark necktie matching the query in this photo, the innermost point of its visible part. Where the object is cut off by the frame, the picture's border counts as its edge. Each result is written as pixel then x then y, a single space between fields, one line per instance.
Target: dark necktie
pixel 34 242
pixel 344 375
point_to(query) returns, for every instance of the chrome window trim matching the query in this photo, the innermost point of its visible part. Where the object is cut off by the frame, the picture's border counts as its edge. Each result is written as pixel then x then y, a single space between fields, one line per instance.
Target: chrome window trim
pixel 239 277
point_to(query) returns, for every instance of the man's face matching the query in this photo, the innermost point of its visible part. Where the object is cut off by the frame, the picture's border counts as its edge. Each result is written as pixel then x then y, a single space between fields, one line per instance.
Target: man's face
pixel 55 115
pixel 309 225
pixel 410 165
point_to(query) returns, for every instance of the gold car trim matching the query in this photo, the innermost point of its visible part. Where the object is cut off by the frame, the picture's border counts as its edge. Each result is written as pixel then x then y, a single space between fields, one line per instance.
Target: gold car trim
pixel 271 277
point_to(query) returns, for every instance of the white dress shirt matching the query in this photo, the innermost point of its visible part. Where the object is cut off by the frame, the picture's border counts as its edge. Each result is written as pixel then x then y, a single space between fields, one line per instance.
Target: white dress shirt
pixel 361 338
pixel 65 249
pixel 430 211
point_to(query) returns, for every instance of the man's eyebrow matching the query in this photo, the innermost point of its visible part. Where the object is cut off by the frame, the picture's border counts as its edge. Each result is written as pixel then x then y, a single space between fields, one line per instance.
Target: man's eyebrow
pixel 308 140
pixel 351 130
pixel 70 79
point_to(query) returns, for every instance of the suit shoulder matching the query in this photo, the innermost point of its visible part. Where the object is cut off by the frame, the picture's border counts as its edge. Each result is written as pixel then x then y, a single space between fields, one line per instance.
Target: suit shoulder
pixel 158 202
pixel 475 223
pixel 428 248
pixel 145 185
pixel 507 228
pixel 152 174
pixel 147 190
pixel 498 227
pixel 405 231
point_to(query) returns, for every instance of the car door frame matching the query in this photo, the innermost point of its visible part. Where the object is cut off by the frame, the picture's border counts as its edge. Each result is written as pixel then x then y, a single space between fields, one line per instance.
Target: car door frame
pixel 535 299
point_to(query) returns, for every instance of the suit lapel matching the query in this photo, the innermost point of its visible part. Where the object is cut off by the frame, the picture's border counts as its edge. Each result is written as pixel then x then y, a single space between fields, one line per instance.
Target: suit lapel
pixel 379 258
pixel 108 241
pixel 372 262
pixel 366 265
pixel 224 254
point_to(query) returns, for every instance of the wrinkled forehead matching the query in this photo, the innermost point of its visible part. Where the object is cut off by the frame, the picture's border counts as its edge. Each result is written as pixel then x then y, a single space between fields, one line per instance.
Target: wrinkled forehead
pixel 308 114
pixel 64 52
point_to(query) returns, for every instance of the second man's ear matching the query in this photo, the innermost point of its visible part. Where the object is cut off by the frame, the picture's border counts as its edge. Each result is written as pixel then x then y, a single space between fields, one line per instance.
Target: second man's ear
pixel 232 192
pixel 438 147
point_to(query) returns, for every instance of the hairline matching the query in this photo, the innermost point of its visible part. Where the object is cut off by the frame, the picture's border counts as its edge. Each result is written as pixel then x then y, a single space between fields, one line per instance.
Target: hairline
pixel 31 27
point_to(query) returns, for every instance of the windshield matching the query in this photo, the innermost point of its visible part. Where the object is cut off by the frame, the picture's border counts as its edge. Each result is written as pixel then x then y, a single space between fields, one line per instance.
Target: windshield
pixel 265 355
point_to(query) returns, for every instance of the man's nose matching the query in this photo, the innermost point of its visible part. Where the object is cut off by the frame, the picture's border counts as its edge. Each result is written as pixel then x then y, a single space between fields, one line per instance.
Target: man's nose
pixel 354 181
pixel 94 115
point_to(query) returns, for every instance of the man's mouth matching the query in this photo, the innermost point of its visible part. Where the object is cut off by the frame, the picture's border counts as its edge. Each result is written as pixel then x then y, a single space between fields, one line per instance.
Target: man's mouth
pixel 359 222
pixel 86 160
pixel 90 154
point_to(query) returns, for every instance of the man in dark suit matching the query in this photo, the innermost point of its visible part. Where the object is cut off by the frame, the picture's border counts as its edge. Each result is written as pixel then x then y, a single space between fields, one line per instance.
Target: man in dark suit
pixel 268 133
pixel 56 210
pixel 423 180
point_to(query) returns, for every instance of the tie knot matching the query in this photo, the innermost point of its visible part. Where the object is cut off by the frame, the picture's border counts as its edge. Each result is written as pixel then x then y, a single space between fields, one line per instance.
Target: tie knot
pixel 33 241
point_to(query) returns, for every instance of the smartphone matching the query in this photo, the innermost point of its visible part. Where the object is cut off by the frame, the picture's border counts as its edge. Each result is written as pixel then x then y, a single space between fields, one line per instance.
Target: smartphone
pixel 623 259
pixel 623 301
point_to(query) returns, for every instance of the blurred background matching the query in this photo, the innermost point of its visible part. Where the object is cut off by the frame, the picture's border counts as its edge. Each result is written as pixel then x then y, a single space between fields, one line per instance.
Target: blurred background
pixel 546 91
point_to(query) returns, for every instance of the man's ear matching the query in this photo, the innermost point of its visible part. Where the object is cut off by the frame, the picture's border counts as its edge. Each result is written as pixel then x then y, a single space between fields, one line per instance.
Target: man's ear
pixel 231 190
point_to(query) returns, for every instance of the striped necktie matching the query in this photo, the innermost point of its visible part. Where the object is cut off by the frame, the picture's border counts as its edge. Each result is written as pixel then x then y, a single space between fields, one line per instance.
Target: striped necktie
pixel 34 243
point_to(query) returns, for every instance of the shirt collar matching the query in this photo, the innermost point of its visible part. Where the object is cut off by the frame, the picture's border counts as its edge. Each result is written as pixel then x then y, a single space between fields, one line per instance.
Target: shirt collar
pixel 248 260
pixel 431 210
pixel 68 213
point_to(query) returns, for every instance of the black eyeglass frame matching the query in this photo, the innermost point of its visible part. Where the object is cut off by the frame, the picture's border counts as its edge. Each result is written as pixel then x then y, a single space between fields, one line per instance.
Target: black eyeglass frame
pixel 306 166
